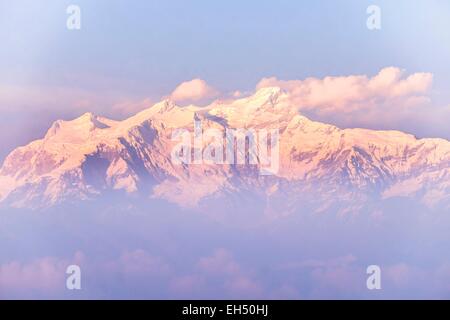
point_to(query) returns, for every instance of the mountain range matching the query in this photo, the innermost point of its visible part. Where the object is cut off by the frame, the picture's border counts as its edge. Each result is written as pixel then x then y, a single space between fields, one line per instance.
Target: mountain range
pixel 321 166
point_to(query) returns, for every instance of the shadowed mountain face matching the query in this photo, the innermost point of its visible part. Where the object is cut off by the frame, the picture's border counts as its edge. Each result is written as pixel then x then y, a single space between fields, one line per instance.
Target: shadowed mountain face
pixel 320 167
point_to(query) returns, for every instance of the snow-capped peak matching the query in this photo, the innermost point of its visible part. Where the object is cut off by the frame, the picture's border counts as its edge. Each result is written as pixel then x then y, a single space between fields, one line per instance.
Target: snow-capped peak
pixel 81 158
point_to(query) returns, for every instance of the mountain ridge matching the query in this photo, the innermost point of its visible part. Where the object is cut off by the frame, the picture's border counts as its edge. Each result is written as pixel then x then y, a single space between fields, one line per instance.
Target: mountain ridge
pixel 82 158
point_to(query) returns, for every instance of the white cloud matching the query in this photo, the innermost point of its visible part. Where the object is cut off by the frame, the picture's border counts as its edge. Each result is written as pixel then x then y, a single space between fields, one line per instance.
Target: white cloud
pixel 221 262
pixel 354 93
pixel 44 276
pixel 196 90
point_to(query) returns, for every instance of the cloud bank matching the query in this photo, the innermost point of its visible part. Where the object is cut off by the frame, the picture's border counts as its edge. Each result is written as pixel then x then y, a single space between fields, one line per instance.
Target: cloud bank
pixel 357 92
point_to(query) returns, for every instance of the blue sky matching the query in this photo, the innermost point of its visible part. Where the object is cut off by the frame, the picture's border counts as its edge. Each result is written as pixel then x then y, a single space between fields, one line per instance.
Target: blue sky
pixel 148 47
pixel 131 50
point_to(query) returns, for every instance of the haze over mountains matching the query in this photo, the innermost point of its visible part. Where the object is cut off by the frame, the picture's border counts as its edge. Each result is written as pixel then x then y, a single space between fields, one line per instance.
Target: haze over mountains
pixel 320 166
